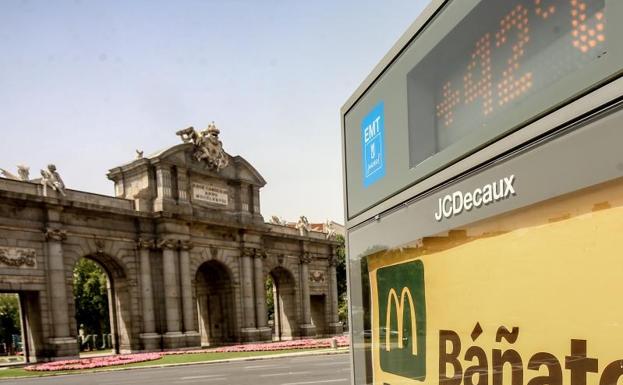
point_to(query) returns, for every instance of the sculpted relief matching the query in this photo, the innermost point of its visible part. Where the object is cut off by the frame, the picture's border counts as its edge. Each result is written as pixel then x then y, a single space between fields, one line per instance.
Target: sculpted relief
pixel 17 257
pixel 316 276
pixel 208 147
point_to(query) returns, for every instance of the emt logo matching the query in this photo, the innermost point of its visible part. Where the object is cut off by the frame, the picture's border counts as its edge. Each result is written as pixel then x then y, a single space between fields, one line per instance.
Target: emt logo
pixel 402 320
pixel 372 145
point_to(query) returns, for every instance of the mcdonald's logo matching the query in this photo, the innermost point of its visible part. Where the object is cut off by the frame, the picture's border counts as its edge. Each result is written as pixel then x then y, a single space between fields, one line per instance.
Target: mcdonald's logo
pixel 401 338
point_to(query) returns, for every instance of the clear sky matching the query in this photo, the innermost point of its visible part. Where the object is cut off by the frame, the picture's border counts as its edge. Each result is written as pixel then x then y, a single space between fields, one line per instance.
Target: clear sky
pixel 85 83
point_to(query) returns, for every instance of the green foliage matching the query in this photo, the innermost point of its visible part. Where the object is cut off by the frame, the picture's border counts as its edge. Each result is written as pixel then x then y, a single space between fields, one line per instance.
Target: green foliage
pixel 91 297
pixel 9 317
pixel 342 309
pixel 340 270
pixel 270 300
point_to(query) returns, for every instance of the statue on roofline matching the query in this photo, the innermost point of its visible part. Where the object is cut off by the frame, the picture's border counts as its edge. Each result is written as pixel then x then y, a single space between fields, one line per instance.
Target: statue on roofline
pixel 208 147
pixel 330 229
pixel 23 173
pixel 51 178
pixel 303 226
pixel 275 220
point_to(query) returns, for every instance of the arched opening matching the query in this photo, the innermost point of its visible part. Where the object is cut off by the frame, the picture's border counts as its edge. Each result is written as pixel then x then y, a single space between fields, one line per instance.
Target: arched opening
pixel 215 304
pixel 284 304
pixel 12 341
pixel 95 302
pixel 21 338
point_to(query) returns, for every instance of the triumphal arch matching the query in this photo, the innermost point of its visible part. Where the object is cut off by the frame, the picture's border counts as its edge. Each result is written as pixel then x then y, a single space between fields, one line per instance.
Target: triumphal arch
pixel 185 248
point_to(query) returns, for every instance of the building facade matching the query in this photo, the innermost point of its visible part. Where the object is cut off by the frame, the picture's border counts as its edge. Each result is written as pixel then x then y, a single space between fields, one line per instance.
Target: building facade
pixel 185 248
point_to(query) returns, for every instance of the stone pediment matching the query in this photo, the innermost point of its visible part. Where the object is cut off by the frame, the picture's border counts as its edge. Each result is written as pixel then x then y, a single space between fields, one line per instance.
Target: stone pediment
pixel 179 180
pixel 181 155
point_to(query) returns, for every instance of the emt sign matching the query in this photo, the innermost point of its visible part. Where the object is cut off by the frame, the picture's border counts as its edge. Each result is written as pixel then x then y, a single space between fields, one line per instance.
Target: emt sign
pixel 372 142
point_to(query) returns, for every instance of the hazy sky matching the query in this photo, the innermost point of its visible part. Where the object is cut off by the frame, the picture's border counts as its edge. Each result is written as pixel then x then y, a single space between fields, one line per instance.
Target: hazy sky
pixel 85 83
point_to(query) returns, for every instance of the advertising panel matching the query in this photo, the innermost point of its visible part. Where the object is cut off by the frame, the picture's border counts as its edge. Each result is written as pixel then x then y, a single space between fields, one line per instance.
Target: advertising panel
pixel 483 179
pixel 529 297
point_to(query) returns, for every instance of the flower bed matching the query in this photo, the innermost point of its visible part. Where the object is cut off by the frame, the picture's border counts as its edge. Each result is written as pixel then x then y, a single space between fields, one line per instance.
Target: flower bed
pixel 122 359
pixel 271 346
pixel 95 362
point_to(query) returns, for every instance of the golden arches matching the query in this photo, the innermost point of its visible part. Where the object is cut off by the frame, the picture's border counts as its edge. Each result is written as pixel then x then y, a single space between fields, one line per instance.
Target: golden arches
pixel 392 298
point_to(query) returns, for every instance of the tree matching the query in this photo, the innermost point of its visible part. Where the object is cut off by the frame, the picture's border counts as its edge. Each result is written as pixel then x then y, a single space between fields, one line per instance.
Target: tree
pixel 270 300
pixel 91 296
pixel 9 318
pixel 340 270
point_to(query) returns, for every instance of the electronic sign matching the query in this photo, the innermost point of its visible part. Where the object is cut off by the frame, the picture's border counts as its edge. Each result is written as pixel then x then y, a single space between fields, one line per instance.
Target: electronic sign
pixel 474 72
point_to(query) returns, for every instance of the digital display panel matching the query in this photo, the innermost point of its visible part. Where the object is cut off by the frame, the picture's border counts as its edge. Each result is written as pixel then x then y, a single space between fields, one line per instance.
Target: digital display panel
pixel 496 60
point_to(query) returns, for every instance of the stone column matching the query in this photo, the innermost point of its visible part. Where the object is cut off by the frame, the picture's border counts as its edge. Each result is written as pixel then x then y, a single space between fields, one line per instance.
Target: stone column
pixel 265 333
pixel 193 338
pixel 164 197
pixel 183 200
pixel 249 330
pixel 173 338
pixel 307 329
pixel 335 326
pixel 64 344
pixel 149 338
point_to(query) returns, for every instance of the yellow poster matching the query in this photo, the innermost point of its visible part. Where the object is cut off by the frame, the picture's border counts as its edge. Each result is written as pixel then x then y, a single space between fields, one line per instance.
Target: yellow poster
pixel 516 300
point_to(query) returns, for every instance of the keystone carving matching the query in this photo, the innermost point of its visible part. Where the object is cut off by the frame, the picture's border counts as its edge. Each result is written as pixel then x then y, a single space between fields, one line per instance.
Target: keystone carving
pixel 55 235
pixel 306 257
pixel 99 246
pixel 316 276
pixel 17 257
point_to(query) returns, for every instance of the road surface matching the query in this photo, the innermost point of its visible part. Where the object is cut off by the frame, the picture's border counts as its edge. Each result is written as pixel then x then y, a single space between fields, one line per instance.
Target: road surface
pixel 302 370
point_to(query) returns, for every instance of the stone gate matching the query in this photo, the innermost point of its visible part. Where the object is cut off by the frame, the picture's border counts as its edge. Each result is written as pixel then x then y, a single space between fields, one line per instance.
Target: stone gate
pixel 184 246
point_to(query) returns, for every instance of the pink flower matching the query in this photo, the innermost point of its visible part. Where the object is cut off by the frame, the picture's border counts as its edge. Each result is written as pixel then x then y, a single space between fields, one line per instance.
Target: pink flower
pixel 271 346
pixel 122 359
pixel 95 362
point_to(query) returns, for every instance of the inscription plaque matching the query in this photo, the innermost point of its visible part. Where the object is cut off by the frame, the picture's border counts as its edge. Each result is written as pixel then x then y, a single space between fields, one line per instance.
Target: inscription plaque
pixel 210 194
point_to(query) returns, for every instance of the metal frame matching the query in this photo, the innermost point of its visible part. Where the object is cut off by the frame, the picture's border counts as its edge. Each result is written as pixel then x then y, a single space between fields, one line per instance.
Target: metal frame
pixel 521 134
pixel 565 115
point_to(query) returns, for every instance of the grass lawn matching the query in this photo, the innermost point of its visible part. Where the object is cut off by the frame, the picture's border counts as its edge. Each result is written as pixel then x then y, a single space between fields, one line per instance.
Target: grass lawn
pixel 165 360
